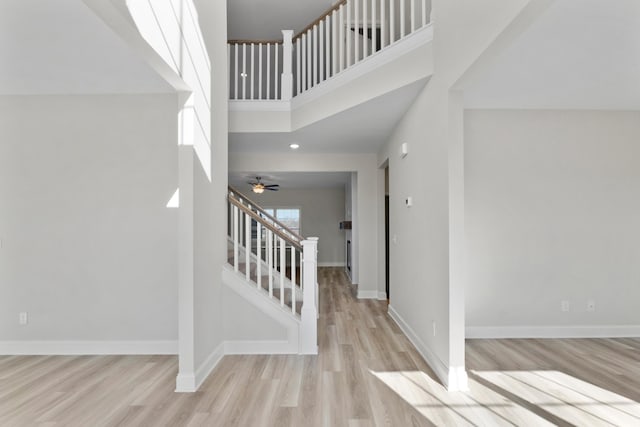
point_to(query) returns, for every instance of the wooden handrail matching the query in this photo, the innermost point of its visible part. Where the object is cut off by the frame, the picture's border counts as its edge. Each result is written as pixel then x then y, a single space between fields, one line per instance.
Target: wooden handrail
pixel 320 18
pixel 263 212
pixel 266 224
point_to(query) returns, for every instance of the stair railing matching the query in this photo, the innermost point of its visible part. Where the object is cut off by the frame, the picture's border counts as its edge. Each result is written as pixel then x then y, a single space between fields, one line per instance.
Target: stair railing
pixel 342 36
pixel 274 250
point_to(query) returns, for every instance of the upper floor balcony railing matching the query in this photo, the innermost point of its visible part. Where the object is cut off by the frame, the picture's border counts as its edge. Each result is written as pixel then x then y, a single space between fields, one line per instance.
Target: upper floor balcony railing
pixel 346 34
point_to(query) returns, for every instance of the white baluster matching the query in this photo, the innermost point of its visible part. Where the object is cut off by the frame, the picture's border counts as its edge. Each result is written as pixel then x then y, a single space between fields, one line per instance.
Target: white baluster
pixel 309 59
pixel 308 338
pixel 374 26
pixel 247 246
pixel 327 46
pixel 252 70
pixel 259 255
pixel 334 43
pixel 365 26
pixel 270 260
pixel 314 58
pixel 356 29
pixel 298 70
pixel 259 70
pixel 321 32
pixel 268 70
pixel 236 220
pixel 287 71
pixel 235 72
pixel 341 41
pixel 229 71
pixel 349 38
pixel 413 15
pixel 244 71
pixel 283 266
pixel 276 72
pixel 383 23
pixel 424 12
pixel 304 62
pixel 293 279
pixel 402 18
pixel 392 21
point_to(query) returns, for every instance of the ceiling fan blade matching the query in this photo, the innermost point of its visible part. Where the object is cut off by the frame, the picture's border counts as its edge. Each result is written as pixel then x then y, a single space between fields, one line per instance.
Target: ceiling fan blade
pixel 272 185
pixel 271 189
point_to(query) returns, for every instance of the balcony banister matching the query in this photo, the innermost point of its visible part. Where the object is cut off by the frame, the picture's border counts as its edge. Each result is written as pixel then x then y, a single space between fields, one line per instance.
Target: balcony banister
pixel 342 36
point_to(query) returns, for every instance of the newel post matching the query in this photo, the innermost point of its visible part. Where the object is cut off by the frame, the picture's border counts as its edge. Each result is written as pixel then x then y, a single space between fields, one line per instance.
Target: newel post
pixel 308 339
pixel 286 79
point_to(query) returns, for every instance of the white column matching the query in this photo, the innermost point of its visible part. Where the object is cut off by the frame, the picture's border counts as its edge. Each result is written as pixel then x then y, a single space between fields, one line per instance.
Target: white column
pixel 308 338
pixel 287 68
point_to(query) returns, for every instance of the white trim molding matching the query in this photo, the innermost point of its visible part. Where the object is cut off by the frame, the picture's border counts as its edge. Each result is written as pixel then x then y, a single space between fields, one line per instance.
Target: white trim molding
pixel 189 383
pixel 454 378
pixel 367 294
pixel 260 347
pixel 73 348
pixel 332 264
pixel 595 331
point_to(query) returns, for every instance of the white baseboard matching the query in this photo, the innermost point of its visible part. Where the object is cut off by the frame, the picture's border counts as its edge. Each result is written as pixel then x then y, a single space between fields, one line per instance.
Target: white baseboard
pixel 367 294
pixel 382 296
pixel 190 382
pixel 260 347
pixel 612 331
pixel 64 348
pixel 454 378
pixel 332 264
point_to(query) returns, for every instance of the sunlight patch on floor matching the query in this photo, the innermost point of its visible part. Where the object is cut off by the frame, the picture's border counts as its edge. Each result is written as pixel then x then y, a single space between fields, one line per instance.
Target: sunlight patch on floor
pixel 565 397
pixel 481 406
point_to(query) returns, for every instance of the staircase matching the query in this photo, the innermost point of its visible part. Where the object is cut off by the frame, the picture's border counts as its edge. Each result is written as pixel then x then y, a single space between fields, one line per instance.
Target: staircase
pixel 279 265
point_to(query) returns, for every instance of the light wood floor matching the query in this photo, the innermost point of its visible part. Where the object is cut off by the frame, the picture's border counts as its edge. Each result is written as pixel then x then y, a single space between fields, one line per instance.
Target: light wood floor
pixel 367 374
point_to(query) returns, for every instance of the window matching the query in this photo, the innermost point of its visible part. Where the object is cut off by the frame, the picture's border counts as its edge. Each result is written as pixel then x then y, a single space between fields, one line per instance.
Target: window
pixel 290 217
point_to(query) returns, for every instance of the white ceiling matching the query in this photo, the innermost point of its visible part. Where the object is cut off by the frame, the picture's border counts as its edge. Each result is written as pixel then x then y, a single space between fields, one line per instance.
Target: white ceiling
pixel 62 47
pixel 581 54
pixel 361 129
pixel 265 19
pixel 291 180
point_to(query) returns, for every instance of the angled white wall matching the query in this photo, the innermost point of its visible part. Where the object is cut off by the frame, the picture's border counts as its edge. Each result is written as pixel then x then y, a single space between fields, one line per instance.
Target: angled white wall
pixel 89 248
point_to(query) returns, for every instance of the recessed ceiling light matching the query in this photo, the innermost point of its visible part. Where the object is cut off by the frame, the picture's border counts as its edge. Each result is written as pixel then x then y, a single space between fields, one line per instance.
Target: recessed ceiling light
pixel 294 146
pixel 243 75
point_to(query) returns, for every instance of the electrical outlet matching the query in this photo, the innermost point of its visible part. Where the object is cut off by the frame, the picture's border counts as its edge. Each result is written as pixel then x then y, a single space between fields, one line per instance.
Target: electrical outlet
pixel 23 318
pixel 591 305
pixel 564 305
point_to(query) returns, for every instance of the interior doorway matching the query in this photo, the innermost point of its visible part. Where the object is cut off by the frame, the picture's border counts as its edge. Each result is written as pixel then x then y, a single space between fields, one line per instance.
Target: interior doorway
pixel 386 232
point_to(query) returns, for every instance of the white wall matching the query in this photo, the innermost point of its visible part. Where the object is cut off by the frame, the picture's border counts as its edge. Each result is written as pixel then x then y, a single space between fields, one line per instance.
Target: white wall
pixel 322 210
pixel 426 267
pixel 210 205
pixel 553 214
pixel 89 248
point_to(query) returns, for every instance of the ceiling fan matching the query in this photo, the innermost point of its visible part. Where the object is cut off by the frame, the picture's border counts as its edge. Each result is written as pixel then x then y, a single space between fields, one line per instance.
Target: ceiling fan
pixel 258 186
